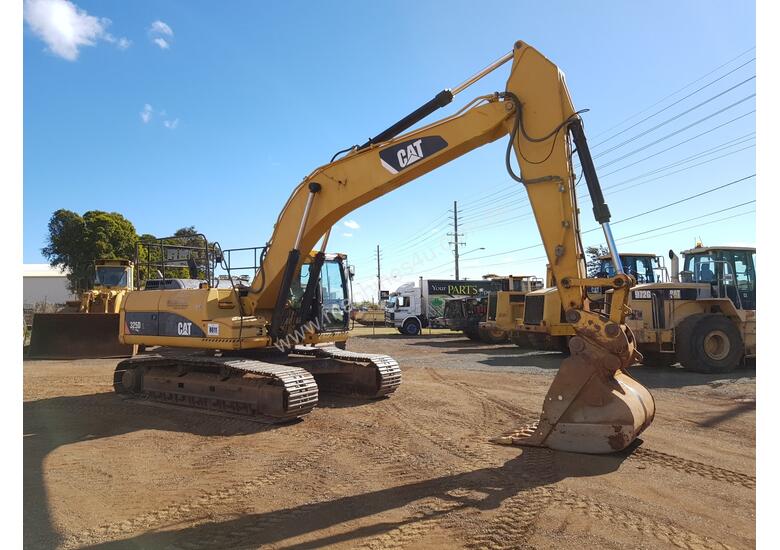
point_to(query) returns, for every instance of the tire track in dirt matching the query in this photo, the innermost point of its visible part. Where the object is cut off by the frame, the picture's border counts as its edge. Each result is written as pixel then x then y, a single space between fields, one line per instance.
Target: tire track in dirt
pixel 507 531
pixel 505 406
pixel 179 511
pixel 428 516
pixel 687 466
pixel 518 512
pixel 640 454
pixel 327 493
pixel 664 531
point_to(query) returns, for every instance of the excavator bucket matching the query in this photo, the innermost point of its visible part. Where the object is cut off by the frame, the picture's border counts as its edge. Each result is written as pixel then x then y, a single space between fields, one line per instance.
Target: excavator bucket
pixel 76 335
pixel 592 406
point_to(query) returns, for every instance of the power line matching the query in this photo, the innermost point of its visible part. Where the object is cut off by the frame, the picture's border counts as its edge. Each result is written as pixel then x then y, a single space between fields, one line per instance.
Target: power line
pixel 524 202
pixel 711 190
pixel 489 209
pixel 677 116
pixel 675 93
pixel 674 103
pixel 680 201
pixel 693 226
pixel 472 204
pixel 667 136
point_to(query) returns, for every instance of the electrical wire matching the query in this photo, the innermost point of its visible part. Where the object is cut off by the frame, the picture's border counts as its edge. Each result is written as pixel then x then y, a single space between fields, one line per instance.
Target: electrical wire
pixel 730 61
pixel 672 104
pixel 523 202
pixel 676 117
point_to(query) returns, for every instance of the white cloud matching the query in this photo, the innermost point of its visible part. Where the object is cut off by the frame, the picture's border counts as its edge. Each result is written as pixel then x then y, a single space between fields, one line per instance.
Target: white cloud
pixel 352 224
pixel 158 27
pixel 146 114
pixel 346 234
pixel 148 111
pixel 65 28
pixel 158 30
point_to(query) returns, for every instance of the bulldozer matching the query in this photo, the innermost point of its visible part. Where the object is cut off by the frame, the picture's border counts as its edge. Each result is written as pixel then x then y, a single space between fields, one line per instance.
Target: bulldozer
pixel 87 327
pixel 705 317
pixel 266 350
pixel 542 324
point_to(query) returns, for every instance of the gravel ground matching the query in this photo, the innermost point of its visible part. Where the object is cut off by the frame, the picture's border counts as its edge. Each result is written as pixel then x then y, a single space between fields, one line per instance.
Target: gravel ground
pixel 414 470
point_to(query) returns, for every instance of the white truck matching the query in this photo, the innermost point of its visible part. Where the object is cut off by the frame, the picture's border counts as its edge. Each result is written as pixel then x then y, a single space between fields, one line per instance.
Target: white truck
pixel 412 308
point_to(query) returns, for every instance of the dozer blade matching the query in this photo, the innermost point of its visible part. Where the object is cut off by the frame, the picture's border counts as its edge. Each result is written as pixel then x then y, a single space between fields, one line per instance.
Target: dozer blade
pixel 366 375
pixel 589 408
pixel 76 335
pixel 243 388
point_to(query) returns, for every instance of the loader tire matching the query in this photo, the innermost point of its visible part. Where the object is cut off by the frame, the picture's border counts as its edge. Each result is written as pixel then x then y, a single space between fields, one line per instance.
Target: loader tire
pixel 494 336
pixel 709 343
pixel 341 345
pixel 472 335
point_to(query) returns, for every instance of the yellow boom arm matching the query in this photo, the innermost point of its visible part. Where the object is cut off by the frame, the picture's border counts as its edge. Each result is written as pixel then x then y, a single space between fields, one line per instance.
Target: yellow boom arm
pixel 591 394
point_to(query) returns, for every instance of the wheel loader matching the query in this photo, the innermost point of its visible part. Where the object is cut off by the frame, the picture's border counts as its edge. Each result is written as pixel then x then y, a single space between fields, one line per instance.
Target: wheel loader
pixel 705 317
pixel 265 352
pixel 505 306
pixel 543 324
pixel 86 327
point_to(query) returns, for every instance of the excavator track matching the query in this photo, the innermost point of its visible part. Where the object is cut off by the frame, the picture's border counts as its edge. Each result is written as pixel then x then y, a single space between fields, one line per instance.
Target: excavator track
pixel 367 375
pixel 244 388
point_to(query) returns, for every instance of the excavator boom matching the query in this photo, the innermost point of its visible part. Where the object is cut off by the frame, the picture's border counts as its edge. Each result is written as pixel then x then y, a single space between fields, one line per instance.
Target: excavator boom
pixel 593 405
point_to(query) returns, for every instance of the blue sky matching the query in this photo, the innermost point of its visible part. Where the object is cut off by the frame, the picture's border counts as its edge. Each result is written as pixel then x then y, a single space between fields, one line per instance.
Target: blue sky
pixel 244 99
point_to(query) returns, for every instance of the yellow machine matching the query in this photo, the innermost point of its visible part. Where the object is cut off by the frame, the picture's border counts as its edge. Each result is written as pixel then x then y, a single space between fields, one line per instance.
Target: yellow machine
pixel 705 317
pixel 87 327
pixel 543 323
pixel 369 317
pixel 505 307
pixel 593 405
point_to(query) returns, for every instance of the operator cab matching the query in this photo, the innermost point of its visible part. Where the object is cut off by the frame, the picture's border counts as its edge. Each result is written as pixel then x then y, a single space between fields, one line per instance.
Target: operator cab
pixel 113 273
pixel 730 271
pixel 645 268
pixel 334 288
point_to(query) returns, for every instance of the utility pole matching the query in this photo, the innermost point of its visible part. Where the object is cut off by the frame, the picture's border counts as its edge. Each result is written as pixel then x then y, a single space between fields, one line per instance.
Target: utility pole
pixel 455 242
pixel 378 279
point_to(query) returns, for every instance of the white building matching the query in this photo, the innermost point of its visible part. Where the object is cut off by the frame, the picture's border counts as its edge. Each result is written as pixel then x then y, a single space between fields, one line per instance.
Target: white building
pixel 43 283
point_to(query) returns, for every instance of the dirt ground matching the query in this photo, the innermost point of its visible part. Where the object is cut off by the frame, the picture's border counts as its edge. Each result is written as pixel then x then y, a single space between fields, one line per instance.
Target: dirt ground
pixel 414 470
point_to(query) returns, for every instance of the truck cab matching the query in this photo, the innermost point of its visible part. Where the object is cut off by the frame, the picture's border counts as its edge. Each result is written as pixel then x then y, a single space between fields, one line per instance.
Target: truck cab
pixel 403 310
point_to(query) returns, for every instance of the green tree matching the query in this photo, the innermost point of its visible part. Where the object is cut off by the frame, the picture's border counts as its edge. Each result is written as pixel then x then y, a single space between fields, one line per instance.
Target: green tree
pixel 151 254
pixel 75 242
pixel 593 253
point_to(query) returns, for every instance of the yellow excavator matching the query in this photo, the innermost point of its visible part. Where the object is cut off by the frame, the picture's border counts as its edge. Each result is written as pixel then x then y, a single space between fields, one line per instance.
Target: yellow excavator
pixel 86 327
pixel 593 405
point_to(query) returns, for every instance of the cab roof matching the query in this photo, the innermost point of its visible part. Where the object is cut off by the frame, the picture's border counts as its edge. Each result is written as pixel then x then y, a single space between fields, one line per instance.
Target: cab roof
pixel 621 254
pixel 704 249
pixel 113 261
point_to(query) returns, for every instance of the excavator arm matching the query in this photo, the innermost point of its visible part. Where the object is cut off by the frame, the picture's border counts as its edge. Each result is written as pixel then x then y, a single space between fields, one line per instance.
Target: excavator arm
pixel 593 405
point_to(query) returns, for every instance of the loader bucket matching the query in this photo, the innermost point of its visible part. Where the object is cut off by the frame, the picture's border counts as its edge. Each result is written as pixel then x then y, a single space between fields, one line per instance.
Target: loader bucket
pixel 76 335
pixel 589 408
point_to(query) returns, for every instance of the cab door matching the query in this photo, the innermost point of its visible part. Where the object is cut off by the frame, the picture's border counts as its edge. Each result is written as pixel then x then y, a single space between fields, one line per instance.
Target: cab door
pixel 335 297
pixel 743 264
